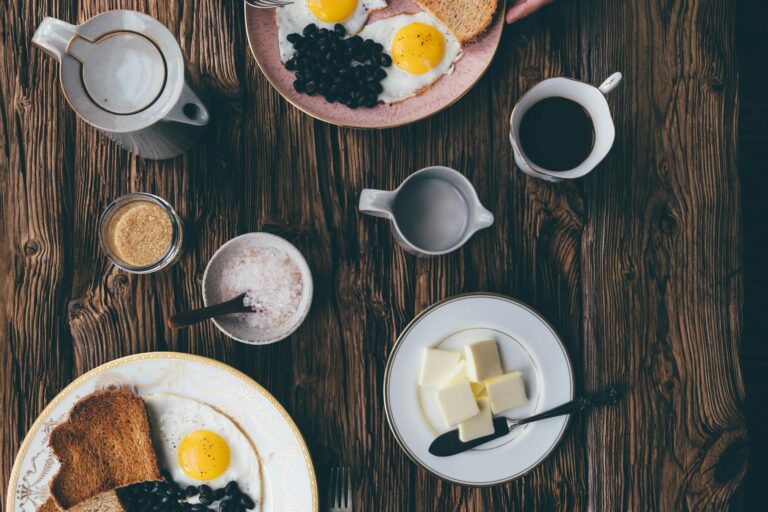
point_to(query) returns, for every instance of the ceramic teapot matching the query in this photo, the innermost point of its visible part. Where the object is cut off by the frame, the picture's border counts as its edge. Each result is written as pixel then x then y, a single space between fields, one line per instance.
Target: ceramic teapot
pixel 123 72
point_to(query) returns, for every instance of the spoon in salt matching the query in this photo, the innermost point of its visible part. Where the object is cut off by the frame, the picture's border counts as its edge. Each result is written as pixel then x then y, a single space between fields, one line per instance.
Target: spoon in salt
pixel 187 318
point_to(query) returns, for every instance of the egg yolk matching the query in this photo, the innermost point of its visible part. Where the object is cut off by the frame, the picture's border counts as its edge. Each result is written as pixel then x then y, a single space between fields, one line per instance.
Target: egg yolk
pixel 418 48
pixel 332 11
pixel 203 455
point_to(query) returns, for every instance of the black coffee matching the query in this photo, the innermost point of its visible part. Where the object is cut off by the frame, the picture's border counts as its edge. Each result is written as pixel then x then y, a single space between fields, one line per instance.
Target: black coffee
pixel 557 134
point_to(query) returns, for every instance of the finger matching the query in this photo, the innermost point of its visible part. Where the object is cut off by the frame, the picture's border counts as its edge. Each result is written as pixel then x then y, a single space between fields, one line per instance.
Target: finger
pixel 522 8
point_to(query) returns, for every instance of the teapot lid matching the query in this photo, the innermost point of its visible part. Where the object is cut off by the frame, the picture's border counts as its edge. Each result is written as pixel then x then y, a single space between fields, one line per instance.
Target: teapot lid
pixel 123 72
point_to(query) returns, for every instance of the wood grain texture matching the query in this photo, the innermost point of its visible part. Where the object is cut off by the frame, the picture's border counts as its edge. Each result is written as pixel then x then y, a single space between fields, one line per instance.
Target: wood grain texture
pixel 637 266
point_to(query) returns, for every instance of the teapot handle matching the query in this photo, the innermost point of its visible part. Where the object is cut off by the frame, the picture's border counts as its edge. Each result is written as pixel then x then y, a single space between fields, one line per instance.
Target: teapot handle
pixel 53 37
pixel 189 109
pixel 376 202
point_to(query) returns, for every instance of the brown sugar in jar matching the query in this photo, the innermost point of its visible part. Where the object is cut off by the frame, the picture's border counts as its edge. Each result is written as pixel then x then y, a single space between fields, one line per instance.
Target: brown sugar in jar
pixel 141 233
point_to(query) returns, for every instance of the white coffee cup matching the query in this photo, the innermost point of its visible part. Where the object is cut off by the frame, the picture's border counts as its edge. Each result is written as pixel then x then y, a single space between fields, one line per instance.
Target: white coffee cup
pixel 592 99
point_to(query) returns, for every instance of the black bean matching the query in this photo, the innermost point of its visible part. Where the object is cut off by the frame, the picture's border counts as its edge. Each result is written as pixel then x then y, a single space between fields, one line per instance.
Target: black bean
pixel 340 30
pixel 294 38
pixel 310 29
pixel 311 88
pixel 247 502
pixel 386 60
pixel 218 494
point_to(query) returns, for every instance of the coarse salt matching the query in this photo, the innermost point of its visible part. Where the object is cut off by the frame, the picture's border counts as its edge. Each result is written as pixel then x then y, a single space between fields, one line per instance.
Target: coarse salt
pixel 272 281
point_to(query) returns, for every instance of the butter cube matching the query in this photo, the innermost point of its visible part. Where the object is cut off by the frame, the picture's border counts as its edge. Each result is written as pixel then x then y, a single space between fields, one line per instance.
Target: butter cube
pixel 458 374
pixel 456 403
pixel 437 366
pixel 506 392
pixel 478 388
pixel 479 425
pixel 482 360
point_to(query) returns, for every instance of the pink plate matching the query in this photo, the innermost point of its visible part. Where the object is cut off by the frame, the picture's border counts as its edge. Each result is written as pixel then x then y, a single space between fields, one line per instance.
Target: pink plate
pixel 262 37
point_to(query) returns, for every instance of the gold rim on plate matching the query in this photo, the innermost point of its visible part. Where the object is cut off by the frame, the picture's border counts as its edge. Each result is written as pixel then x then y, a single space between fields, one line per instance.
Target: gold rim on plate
pixel 396 347
pixel 501 8
pixel 117 363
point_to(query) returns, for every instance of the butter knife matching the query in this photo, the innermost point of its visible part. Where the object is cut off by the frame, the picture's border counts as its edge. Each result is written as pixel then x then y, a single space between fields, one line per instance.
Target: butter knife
pixel 449 443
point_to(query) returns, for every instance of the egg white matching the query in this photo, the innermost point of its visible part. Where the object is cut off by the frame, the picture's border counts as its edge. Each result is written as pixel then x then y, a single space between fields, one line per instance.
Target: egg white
pixel 173 417
pixel 294 17
pixel 399 84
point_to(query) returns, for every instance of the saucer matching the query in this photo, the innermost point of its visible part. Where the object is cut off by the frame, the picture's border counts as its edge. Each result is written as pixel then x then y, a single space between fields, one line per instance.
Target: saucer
pixel 526 343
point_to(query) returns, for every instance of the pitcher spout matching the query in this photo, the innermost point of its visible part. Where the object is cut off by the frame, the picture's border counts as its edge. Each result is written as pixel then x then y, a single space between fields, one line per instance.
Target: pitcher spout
pixel 53 36
pixel 483 218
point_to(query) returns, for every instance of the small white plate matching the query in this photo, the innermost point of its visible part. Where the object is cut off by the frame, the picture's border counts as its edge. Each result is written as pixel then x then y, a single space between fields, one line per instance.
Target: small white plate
pixel 526 343
pixel 288 476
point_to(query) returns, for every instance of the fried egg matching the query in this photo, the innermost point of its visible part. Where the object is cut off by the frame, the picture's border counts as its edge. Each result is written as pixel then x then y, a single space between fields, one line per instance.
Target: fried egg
pixel 199 445
pixel 292 18
pixel 422 50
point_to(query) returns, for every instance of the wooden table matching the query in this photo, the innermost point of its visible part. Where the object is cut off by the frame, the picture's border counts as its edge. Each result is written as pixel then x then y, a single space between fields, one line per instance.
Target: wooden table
pixel 637 265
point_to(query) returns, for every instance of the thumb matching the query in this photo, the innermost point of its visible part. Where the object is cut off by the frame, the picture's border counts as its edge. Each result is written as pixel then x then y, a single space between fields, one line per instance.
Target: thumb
pixel 522 8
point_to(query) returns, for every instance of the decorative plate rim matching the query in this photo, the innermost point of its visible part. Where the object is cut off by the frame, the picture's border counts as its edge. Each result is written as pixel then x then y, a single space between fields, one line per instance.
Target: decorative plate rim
pixel 397 345
pixel 147 356
pixel 501 8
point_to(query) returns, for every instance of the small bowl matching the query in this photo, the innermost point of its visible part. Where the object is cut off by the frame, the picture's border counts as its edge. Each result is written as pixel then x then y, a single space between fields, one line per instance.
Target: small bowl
pixel 231 325
pixel 174 251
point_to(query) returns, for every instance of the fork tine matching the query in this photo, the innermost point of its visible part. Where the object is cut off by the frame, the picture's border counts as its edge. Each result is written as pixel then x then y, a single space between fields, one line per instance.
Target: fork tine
pixel 349 489
pixel 331 492
pixel 339 485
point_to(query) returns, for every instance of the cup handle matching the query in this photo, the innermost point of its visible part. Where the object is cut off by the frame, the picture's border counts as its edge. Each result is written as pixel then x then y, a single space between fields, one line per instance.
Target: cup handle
pixel 610 83
pixel 188 109
pixel 376 202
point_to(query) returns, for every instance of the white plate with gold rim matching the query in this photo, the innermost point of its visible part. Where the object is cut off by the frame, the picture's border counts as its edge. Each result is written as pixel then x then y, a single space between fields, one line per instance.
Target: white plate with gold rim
pixel 288 476
pixel 526 343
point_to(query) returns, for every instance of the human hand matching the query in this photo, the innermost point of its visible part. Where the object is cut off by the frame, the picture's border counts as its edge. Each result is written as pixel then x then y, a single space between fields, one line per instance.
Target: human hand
pixel 522 8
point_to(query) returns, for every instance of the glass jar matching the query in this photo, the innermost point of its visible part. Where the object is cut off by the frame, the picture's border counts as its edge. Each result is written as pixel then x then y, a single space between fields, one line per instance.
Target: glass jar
pixel 146 235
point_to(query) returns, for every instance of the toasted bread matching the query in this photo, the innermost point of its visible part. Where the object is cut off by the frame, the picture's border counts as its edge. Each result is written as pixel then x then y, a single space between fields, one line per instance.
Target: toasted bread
pixel 466 19
pixel 104 444
pixel 107 502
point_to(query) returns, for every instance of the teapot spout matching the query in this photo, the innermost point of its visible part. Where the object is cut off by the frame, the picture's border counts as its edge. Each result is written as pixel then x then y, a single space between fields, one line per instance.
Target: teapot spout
pixel 53 36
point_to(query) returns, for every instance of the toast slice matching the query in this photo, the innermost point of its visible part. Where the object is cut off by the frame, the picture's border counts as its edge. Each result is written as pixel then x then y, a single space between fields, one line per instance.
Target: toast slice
pixel 104 444
pixel 466 19
pixel 107 502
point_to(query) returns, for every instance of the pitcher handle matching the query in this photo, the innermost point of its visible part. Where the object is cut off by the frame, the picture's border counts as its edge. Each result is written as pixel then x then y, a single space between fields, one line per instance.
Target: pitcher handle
pixel 53 36
pixel 376 202
pixel 610 83
pixel 189 109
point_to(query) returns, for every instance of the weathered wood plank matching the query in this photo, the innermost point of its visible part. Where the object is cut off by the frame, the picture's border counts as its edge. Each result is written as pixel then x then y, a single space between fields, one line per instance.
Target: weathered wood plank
pixel 661 253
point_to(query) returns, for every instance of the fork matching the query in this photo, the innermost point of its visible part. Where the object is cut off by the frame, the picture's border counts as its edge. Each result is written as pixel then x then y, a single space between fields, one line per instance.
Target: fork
pixel 340 490
pixel 267 4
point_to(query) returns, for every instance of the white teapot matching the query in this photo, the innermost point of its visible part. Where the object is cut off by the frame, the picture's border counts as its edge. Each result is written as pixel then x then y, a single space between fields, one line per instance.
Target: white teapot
pixel 123 72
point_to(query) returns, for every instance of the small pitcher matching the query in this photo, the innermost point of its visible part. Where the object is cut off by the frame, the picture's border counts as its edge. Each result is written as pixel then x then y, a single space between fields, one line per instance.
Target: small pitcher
pixel 434 211
pixel 123 72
